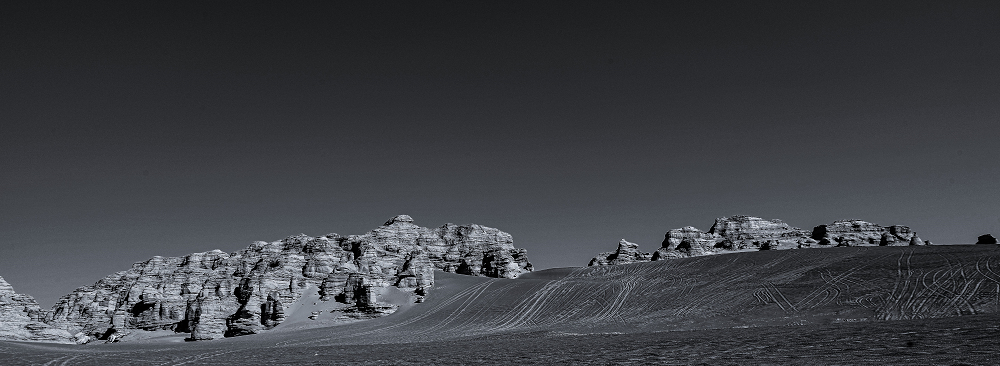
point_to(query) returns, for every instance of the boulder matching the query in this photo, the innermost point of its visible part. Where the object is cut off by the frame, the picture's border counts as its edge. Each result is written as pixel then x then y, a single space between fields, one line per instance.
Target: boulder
pixel 986 239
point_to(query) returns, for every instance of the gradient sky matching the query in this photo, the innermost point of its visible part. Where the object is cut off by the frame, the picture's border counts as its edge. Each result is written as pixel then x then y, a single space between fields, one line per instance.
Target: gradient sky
pixel 135 130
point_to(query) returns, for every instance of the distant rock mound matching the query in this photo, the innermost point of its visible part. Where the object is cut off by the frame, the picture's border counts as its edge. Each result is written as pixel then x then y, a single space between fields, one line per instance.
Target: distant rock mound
pixel 986 239
pixel 850 233
pixel 216 294
pixel 743 233
pixel 21 319
pixel 627 252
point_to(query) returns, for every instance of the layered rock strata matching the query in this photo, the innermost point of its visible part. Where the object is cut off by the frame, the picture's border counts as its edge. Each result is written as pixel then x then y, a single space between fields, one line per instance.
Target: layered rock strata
pixel 216 294
pixel 21 319
pixel 740 233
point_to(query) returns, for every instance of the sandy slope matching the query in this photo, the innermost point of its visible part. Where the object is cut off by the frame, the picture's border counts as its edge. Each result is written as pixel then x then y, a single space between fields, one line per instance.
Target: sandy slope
pixel 793 290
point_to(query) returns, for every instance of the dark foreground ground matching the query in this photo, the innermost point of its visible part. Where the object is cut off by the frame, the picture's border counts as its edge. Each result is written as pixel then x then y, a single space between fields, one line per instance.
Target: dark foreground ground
pixel 839 306
pixel 966 340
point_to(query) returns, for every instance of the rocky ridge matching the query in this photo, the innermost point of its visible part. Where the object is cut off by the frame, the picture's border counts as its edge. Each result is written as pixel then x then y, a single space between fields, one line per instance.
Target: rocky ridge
pixel 21 319
pixel 216 294
pixel 743 233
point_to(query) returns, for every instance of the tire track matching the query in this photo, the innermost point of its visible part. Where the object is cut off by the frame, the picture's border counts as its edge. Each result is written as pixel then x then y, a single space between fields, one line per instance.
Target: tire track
pixel 201 357
pixel 457 311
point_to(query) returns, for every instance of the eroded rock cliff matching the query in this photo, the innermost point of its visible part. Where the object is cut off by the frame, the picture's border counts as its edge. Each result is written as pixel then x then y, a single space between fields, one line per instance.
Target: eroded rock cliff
pixel 216 294
pixel 21 319
pixel 741 233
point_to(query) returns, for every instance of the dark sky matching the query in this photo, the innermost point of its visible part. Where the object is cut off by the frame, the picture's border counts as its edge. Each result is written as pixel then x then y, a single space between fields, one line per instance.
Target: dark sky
pixel 132 130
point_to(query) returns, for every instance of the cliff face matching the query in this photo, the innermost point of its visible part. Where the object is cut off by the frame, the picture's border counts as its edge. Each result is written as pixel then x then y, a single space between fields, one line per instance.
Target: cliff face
pixel 21 319
pixel 740 233
pixel 216 294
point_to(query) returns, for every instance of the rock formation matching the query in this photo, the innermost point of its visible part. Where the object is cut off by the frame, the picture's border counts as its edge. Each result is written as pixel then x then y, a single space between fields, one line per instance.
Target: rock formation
pixel 685 242
pixel 21 319
pixel 747 232
pixel 986 239
pixel 739 233
pixel 849 233
pixel 626 253
pixel 216 294
pixel 733 233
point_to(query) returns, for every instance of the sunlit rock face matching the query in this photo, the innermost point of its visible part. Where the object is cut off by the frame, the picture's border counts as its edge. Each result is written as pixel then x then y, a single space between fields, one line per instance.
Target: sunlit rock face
pixel 741 233
pixel 21 319
pixel 216 294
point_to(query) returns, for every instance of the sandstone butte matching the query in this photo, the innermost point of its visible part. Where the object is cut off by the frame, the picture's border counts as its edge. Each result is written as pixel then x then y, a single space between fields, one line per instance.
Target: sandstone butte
pixel 216 294
pixel 744 233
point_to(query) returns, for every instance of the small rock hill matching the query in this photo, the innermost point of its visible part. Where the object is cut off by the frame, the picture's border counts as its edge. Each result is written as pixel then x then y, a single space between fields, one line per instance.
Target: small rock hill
pixel 743 233
pixel 627 252
pixel 216 294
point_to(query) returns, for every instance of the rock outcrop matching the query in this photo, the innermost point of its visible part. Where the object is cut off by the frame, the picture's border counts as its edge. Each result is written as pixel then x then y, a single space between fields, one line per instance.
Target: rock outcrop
pixel 626 253
pixel 748 232
pixel 735 233
pixel 740 233
pixel 685 242
pixel 849 233
pixel 986 239
pixel 216 294
pixel 21 319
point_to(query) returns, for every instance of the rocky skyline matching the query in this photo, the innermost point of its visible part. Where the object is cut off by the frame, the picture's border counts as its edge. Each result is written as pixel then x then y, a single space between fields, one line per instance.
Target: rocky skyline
pixel 214 294
pixel 747 233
